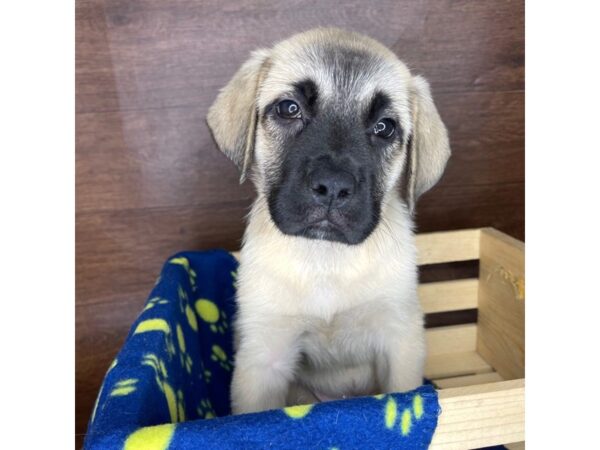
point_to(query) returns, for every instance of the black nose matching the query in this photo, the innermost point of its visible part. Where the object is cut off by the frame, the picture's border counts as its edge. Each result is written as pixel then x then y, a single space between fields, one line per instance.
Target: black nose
pixel 332 188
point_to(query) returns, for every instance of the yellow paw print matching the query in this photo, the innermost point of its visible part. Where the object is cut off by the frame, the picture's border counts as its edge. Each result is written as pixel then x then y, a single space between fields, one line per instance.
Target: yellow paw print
pixel 174 400
pixel 219 355
pixel 161 325
pixel 183 262
pixel 185 308
pixel 406 417
pixel 184 358
pixel 205 410
pixel 210 313
pixel 157 437
pixel 298 411
pixel 124 387
pixel 155 301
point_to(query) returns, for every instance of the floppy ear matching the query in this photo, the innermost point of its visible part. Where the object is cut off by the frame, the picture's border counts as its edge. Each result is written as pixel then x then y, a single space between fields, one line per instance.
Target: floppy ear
pixel 232 117
pixel 428 148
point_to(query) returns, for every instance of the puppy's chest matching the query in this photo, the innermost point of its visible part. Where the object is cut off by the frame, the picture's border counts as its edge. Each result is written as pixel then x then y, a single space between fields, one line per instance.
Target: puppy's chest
pixel 334 301
pixel 324 300
pixel 349 337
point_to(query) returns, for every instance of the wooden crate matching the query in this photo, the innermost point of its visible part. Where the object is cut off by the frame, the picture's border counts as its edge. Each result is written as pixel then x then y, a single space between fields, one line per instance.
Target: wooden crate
pixel 478 368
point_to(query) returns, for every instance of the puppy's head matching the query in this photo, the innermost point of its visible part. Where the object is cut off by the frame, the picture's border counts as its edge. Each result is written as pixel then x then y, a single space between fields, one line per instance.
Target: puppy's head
pixel 329 124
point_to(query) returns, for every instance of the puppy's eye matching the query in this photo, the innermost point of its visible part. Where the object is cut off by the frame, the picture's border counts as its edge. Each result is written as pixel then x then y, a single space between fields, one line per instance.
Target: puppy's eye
pixel 385 128
pixel 288 109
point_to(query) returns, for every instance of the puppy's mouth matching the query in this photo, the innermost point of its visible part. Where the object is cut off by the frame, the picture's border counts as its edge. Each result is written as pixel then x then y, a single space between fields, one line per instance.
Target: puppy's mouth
pixel 325 224
pixel 325 229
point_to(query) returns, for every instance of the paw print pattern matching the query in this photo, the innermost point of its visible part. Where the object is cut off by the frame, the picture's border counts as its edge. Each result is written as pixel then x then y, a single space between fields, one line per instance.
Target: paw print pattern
pixel 210 313
pixel 184 358
pixel 219 355
pixel 183 262
pixel 154 301
pixel 205 410
pixel 174 400
pixel 157 437
pixel 185 308
pixel 406 417
pixel 124 387
pixel 298 411
pixel 161 325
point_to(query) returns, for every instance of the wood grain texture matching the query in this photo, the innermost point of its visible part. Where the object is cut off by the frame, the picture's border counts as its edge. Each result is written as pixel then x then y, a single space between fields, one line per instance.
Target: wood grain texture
pixel 501 330
pixel 481 415
pixel 151 182
pixel 447 246
pixel 453 295
pixel 451 339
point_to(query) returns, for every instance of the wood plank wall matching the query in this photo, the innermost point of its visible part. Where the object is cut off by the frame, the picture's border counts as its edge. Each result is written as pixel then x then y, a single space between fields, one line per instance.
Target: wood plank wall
pixel 151 182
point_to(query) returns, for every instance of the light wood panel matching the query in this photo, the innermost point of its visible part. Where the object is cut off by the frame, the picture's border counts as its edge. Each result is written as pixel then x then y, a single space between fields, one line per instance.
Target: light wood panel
pixel 501 327
pixel 442 247
pixel 481 415
pixel 451 339
pixel 454 295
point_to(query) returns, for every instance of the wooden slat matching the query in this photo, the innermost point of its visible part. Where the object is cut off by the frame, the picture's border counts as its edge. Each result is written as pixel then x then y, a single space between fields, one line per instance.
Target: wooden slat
pixel 452 295
pixel 481 416
pixel 451 339
pixel 468 380
pixel 455 364
pixel 448 246
pixel 501 332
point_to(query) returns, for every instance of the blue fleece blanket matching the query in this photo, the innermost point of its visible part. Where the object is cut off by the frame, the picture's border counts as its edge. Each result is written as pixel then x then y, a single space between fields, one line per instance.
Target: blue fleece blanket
pixel 169 385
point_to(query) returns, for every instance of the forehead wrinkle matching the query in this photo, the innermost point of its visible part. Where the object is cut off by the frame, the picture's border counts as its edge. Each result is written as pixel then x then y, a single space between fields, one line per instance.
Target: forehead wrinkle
pixel 285 74
pixel 346 74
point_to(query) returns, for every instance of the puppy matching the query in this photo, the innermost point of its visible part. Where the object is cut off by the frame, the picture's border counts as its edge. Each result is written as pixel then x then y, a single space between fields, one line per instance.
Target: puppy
pixel 339 140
